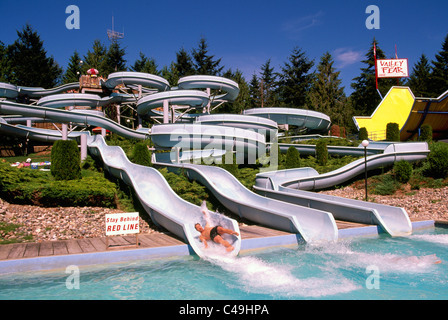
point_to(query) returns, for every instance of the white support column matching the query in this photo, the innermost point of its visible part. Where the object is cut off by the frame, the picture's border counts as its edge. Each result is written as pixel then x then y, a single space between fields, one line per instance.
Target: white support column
pixel 64 131
pixel 166 111
pixel 103 132
pixel 118 114
pixel 29 123
pixel 83 147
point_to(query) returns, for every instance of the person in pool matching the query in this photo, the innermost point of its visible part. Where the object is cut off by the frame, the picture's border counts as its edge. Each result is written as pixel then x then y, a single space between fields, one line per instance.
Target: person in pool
pixel 214 234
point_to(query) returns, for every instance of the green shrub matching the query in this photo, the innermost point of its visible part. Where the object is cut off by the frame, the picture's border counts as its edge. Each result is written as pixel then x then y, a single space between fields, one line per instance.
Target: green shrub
pixel 321 152
pixel 437 161
pixel 386 186
pixel 141 154
pixel 190 191
pixel 292 158
pixel 363 134
pixel 231 167
pixel 402 171
pixel 425 133
pixel 392 132
pixel 27 186
pixel 65 160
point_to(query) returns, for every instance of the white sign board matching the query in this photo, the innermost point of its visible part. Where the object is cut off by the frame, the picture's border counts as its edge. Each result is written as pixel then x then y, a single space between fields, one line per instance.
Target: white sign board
pixel 122 223
pixel 392 68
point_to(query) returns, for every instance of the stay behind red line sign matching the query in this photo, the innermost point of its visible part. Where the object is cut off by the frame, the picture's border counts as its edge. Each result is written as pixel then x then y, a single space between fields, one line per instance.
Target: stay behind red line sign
pixel 122 223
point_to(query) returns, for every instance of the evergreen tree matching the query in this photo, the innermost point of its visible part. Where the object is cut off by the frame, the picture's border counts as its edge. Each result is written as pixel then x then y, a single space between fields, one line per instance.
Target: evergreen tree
pixel 242 101
pixel 74 69
pixel 326 94
pixel 365 97
pixel 254 92
pixel 295 80
pixel 420 79
pixel 146 65
pixel 204 63
pixel 170 73
pixel 268 84
pixel 5 72
pixel 184 64
pixel 114 59
pixel 96 59
pixel 29 63
pixel 440 70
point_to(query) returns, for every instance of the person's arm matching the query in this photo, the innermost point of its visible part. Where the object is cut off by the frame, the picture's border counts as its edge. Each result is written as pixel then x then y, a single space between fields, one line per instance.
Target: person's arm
pixel 204 241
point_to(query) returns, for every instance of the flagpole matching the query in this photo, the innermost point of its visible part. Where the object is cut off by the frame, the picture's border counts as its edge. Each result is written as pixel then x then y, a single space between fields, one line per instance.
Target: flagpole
pixel 376 71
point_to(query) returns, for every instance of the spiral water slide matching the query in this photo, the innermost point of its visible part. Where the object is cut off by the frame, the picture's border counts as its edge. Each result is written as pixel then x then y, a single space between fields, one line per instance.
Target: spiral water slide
pixel 292 185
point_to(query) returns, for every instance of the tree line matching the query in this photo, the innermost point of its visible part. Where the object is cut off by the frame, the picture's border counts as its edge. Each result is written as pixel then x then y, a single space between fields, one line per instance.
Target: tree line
pixel 300 81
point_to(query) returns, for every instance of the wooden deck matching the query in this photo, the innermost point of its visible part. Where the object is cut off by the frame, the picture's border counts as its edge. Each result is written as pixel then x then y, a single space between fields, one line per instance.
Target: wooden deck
pixel 153 240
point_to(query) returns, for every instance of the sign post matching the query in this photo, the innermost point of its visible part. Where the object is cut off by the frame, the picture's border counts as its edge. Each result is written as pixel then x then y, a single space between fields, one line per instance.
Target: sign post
pixel 122 223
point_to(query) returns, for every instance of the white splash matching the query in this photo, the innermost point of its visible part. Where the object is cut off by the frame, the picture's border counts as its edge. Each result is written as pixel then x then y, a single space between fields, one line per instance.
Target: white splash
pixel 258 276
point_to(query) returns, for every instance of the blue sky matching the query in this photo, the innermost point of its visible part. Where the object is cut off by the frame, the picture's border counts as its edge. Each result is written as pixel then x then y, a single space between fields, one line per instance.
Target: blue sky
pixel 244 33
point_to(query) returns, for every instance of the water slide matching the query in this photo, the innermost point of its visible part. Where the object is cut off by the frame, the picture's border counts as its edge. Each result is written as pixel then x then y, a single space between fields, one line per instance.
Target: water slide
pixel 63 116
pixel 311 121
pixel 432 111
pixel 163 205
pixel 317 225
pixel 310 149
pixel 312 225
pixel 11 91
pixel 395 107
pixel 291 186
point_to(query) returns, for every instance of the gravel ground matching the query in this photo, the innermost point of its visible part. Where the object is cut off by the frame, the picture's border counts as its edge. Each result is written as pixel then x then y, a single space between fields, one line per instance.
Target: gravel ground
pixel 42 224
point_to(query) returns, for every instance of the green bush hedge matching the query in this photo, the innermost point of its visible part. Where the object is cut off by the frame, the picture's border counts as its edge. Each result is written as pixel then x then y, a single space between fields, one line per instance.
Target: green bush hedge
pixel 437 161
pixel 27 186
pixel 392 132
pixel 141 154
pixel 321 152
pixel 425 133
pixel 65 160
pixel 292 158
pixel 402 171
pixel 363 134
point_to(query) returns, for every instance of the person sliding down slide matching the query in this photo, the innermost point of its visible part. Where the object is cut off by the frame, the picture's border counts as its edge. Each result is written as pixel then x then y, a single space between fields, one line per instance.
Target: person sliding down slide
pixel 213 233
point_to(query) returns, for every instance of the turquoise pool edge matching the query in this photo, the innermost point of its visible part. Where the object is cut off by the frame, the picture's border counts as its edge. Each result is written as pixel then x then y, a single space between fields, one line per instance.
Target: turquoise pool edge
pixel 105 257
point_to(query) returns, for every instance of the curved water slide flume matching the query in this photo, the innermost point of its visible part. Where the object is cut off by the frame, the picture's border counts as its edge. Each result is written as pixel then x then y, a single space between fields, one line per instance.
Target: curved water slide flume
pixel 163 205
pixel 258 124
pixel 313 121
pixel 136 78
pixel 310 224
pixel 293 185
pixel 11 91
pixel 193 98
pixel 79 117
pixel 82 100
pixel 230 87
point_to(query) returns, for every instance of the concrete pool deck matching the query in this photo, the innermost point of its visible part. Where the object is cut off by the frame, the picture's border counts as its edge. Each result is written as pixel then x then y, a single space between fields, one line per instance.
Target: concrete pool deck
pixel 51 255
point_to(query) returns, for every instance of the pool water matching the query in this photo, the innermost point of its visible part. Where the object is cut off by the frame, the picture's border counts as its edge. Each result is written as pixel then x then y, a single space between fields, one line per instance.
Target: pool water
pixel 414 267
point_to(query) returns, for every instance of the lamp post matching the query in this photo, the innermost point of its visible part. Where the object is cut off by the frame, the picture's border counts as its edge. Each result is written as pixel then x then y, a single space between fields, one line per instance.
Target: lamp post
pixel 365 143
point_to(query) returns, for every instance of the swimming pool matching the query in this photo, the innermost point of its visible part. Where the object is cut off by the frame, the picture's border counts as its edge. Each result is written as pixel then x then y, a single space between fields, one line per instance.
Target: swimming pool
pixel 361 268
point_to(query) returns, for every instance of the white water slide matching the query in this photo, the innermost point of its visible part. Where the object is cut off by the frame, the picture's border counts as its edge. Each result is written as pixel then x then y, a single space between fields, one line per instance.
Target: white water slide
pixel 291 185
pixel 311 225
